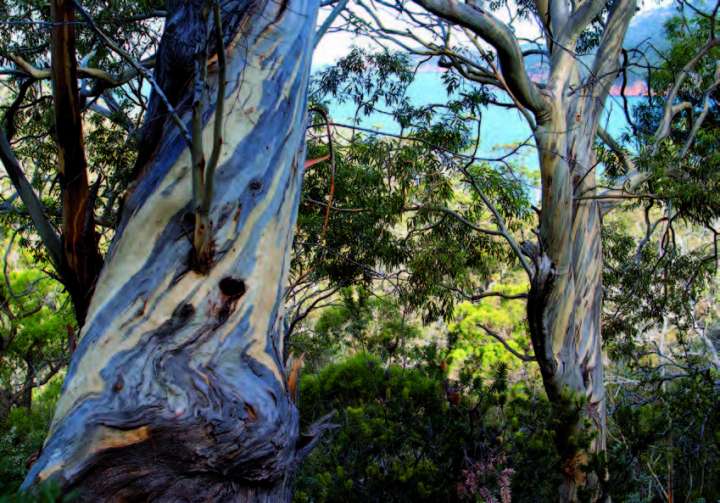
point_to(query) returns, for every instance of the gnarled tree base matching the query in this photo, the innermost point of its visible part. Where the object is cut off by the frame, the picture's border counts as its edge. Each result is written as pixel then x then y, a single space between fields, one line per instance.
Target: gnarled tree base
pixel 177 390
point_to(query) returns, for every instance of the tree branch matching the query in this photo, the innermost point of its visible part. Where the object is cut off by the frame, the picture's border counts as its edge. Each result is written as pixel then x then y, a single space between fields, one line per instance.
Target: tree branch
pixel 140 69
pixel 500 222
pixel 47 233
pixel 325 26
pixel 501 339
pixel 81 259
pixel 106 78
pixel 499 35
pixel 616 149
pixel 606 64
pixel 698 122
pixel 671 108
pixel 456 216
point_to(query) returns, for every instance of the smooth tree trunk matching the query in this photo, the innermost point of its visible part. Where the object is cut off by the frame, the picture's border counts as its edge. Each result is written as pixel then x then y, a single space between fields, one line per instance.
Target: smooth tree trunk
pixel 565 300
pixel 565 297
pixel 177 390
pixel 81 261
pixel 564 309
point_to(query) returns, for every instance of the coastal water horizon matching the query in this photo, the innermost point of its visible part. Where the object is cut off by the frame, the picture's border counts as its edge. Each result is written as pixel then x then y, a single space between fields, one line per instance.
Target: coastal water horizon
pixel 501 129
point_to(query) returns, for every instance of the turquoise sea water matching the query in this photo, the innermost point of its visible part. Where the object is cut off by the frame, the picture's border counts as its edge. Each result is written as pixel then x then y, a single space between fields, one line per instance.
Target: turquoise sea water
pixel 500 127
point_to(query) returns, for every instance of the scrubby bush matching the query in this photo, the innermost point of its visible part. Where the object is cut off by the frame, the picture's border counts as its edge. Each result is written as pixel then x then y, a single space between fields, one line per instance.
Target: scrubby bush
pixel 410 434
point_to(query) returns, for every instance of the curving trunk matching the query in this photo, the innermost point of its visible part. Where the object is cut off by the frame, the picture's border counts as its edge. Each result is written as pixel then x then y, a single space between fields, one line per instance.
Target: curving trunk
pixel 177 390
pixel 564 308
pixel 565 300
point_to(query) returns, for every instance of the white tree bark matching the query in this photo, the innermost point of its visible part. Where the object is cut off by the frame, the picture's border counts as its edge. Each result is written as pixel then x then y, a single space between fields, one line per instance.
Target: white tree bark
pixel 565 300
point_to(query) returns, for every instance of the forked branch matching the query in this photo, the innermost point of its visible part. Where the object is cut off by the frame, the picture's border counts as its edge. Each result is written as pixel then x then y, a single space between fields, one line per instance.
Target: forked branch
pixel 501 37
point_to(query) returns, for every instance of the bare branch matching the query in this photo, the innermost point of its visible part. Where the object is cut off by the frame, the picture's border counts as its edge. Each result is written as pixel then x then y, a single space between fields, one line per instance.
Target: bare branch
pixel 500 222
pixel 485 295
pixel 616 149
pixel 47 233
pixel 698 122
pixel 671 108
pixel 300 315
pixel 499 35
pixel 635 177
pixel 334 13
pixel 502 295
pixel 501 339
pixel 83 71
pixel 456 216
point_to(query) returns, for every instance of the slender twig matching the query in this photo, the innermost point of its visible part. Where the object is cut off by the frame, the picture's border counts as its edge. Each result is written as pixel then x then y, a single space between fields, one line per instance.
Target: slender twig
pixel 456 216
pixel 500 222
pixel 331 150
pixel 219 108
pixel 504 342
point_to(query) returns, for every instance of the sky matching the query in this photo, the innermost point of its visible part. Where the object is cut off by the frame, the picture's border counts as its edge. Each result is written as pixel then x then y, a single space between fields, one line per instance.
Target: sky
pixel 336 45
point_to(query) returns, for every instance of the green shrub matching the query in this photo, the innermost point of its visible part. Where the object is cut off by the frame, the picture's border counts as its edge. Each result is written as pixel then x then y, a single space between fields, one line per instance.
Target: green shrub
pixel 22 434
pixel 409 434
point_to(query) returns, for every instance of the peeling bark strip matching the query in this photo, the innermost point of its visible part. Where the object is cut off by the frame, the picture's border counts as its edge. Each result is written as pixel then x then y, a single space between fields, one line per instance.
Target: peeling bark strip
pixel 81 261
pixel 177 387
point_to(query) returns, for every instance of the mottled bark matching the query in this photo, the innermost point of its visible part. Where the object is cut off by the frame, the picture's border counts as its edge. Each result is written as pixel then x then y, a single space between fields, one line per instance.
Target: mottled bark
pixel 565 302
pixel 81 261
pixel 565 299
pixel 564 310
pixel 177 390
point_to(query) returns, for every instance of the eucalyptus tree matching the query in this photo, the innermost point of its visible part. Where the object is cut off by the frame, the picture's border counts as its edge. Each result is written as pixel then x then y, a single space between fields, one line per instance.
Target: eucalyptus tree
pixel 42 122
pixel 563 99
pixel 177 385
